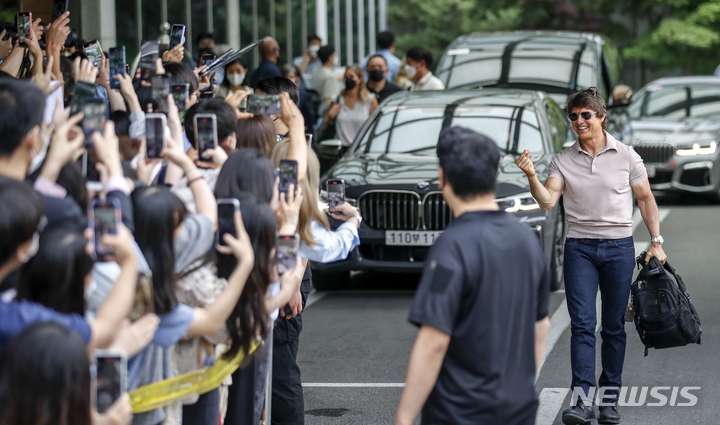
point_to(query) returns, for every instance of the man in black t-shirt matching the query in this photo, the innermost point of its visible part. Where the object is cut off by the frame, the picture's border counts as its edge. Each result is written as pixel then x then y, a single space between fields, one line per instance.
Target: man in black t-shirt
pixel 481 305
pixel 377 71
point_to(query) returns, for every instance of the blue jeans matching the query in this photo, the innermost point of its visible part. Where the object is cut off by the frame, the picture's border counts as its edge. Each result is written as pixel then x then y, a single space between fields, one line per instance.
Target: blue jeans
pixel 589 263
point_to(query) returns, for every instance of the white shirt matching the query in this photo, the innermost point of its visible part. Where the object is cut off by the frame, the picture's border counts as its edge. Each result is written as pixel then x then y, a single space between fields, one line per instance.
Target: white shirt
pixel 429 82
pixel 330 245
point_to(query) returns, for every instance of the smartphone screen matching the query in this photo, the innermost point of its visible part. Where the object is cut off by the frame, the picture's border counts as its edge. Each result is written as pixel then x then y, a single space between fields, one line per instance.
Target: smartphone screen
pixel 94 120
pixel 149 53
pixel 24 22
pixel 205 134
pixel 160 91
pixel 155 134
pixel 117 65
pixel 177 36
pixel 286 251
pixel 105 216
pixel 335 193
pixel 180 94
pixel 207 59
pixel 226 218
pixel 83 92
pixel 110 378
pixel 288 175
pixel 264 104
pixel 59 7
pixel 94 52
pixel 90 171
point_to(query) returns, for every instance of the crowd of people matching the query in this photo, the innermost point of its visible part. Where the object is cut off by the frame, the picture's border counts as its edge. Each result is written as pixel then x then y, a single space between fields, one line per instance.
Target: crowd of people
pixel 173 295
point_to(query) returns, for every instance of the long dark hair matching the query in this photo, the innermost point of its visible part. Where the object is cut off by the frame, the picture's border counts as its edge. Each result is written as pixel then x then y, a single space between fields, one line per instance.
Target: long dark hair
pixel 246 170
pixel 157 213
pixel 249 317
pixel 45 378
pixel 55 276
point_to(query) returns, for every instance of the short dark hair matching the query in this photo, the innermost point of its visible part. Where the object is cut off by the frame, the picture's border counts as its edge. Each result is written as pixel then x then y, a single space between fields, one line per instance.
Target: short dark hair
pixel 313 37
pixel 21 210
pixel 21 108
pixel 325 52
pixel 203 36
pixel 589 98
pixel 224 114
pixel 277 85
pixel 377 56
pixel 421 54
pixel 469 161
pixel 180 73
pixel 385 40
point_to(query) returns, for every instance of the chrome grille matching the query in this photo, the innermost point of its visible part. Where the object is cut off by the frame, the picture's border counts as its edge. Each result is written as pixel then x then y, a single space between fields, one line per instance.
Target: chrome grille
pixel 390 210
pixel 436 212
pixel 655 152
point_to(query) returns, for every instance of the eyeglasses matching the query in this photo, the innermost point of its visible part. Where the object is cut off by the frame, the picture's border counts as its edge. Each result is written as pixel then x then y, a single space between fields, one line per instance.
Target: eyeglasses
pixel 586 115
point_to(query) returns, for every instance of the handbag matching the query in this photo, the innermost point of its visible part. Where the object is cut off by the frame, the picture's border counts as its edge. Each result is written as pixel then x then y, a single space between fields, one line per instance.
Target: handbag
pixel 664 313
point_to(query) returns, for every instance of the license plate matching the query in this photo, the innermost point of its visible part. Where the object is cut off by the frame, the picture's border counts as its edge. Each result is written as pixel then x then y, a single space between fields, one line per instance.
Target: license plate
pixel 410 238
pixel 651 171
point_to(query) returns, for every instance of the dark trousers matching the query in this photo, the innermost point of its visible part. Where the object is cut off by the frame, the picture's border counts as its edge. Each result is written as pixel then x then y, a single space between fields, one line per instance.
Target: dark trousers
pixel 609 264
pixel 288 405
pixel 243 395
pixel 206 411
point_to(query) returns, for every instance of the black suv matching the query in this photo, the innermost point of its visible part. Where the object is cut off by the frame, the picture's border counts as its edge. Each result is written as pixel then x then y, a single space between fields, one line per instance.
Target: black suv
pixel 391 175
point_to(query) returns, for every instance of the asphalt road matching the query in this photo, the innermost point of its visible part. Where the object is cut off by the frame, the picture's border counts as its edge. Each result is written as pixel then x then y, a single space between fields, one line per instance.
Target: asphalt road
pixel 356 344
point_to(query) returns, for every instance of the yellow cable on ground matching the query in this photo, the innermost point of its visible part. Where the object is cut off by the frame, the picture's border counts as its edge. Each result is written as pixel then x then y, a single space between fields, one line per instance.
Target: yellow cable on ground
pixel 201 381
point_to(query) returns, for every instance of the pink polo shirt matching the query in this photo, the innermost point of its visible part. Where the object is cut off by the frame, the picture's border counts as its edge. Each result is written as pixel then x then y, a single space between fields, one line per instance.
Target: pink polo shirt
pixel 598 196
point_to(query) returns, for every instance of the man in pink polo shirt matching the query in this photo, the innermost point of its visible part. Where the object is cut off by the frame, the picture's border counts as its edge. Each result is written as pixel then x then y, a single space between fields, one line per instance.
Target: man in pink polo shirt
pixel 598 176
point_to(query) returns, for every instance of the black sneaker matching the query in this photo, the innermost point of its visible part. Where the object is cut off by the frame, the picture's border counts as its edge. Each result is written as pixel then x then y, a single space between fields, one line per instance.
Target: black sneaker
pixel 609 415
pixel 578 414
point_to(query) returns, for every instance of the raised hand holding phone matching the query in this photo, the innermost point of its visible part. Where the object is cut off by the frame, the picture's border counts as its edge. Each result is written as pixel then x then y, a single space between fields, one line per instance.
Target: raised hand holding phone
pixel 288 215
pixel 239 245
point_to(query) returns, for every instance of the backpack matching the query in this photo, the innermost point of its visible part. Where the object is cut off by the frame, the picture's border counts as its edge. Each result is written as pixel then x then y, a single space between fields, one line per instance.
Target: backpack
pixel 664 314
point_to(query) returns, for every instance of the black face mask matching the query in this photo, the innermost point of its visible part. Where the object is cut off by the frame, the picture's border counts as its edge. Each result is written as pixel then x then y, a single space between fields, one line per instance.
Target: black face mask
pixel 350 84
pixel 376 75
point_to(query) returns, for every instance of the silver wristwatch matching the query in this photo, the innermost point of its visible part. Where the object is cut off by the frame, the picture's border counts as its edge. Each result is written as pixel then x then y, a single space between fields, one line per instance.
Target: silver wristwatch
pixel 359 218
pixel 658 239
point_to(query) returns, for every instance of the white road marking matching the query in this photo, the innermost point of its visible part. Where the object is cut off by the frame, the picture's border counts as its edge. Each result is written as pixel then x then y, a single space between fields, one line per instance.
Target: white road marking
pixel 640 247
pixel 353 385
pixel 314 297
pixel 551 400
pixel 598 312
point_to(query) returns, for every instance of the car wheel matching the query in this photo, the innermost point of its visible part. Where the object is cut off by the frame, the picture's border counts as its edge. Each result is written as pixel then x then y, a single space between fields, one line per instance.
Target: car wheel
pixel 323 281
pixel 558 254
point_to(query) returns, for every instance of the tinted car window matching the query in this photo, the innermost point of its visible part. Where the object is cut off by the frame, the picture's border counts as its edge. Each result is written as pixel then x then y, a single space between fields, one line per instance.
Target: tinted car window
pixel 677 102
pixel 416 130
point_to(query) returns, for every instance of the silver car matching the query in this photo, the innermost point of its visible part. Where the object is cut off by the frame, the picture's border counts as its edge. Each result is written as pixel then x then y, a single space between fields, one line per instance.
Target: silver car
pixel 676 126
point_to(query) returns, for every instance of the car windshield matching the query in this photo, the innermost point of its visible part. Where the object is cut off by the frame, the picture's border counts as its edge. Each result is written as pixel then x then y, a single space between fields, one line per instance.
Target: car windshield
pixel 415 130
pixel 677 102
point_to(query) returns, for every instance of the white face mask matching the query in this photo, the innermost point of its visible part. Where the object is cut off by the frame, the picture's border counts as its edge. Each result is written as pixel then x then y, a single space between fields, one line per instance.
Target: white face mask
pixel 314 50
pixel 34 248
pixel 235 79
pixel 410 71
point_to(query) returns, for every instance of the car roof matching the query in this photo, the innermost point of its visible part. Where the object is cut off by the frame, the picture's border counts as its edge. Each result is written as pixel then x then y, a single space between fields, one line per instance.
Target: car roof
pixel 467 97
pixel 697 79
pixel 545 38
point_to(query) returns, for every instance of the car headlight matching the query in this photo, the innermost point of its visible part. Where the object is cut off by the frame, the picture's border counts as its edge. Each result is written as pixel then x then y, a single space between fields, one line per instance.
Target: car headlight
pixel 519 202
pixel 698 149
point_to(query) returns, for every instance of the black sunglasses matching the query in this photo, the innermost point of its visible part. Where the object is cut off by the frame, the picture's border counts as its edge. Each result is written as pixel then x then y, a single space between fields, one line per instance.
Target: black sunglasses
pixel 586 116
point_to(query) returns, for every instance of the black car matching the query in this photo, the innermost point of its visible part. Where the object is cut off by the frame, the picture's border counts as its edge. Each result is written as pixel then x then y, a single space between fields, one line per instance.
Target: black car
pixel 391 174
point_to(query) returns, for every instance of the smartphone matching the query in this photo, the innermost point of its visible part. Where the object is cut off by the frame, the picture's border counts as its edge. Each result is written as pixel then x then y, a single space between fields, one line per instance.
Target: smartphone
pixel 205 134
pixel 94 52
pixel 155 134
pixel 149 53
pixel 94 120
pixel 335 193
pixel 180 94
pixel 160 90
pixel 110 377
pixel 104 215
pixel 264 104
pixel 288 175
pixel 226 218
pixel 88 162
pixel 83 92
pixel 23 22
pixel 308 139
pixel 207 59
pixel 206 95
pixel 177 36
pixel 243 103
pixel 286 250
pixel 59 7
pixel 118 64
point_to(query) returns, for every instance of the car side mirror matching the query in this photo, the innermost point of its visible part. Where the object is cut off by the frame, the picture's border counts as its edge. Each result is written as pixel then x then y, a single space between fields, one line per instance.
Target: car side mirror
pixel 331 147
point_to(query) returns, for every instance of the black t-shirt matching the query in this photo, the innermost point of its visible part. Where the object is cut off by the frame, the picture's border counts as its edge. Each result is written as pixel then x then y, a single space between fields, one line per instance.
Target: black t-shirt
pixel 389 89
pixel 485 283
